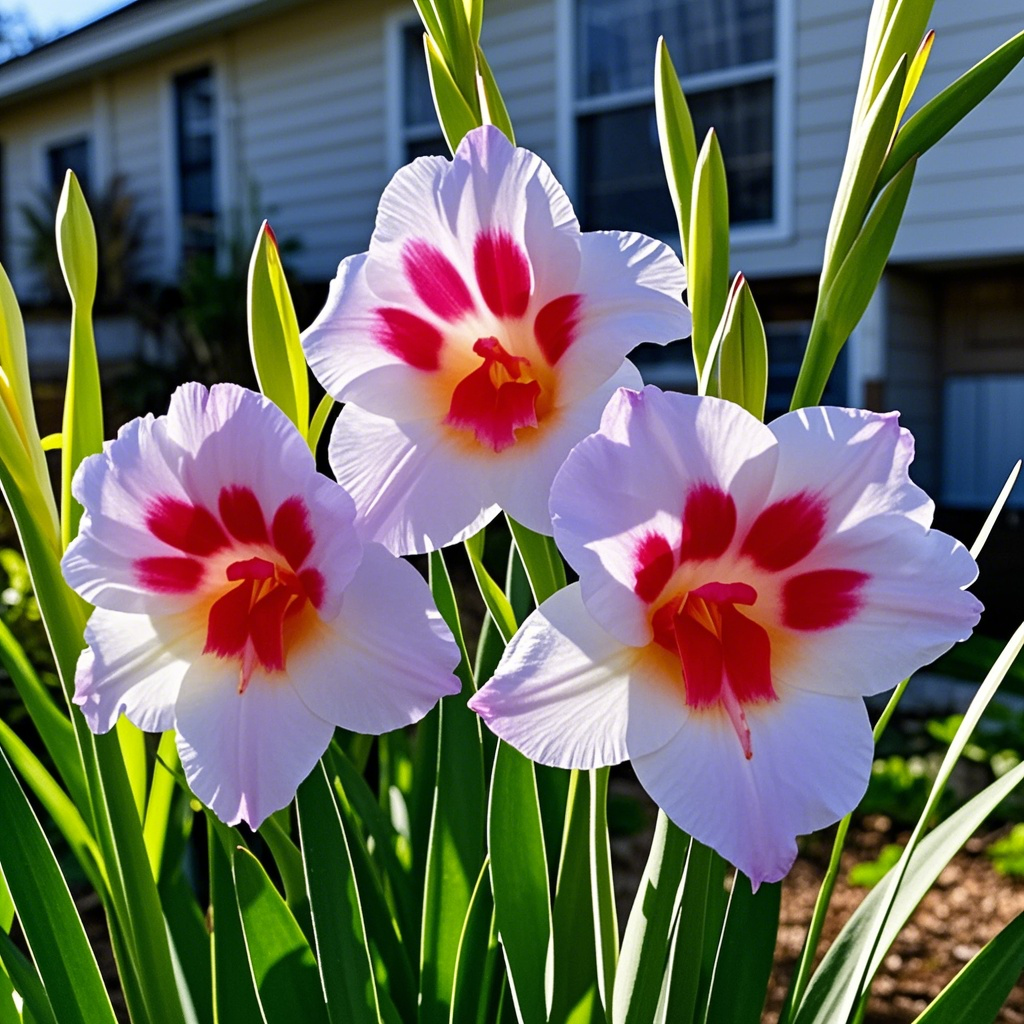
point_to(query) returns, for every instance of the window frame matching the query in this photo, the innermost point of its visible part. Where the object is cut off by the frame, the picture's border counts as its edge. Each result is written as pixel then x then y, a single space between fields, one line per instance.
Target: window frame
pixel 781 69
pixel 399 134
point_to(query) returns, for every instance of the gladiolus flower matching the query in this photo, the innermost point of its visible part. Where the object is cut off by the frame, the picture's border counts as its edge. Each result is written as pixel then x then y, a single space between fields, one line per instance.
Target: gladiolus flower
pixel 478 340
pixel 741 588
pixel 236 605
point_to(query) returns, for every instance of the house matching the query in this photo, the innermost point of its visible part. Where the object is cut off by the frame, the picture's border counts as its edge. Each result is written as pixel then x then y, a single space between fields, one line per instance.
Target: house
pixel 218 112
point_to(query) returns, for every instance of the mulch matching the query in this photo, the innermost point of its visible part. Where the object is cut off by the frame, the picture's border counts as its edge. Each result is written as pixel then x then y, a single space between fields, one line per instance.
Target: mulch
pixel 969 904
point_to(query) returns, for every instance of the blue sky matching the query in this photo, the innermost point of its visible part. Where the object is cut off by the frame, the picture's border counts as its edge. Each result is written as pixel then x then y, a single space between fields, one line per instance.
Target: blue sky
pixel 51 15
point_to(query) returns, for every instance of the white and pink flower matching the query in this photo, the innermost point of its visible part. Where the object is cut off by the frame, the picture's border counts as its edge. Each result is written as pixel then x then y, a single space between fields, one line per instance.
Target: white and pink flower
pixel 235 603
pixel 478 340
pixel 742 587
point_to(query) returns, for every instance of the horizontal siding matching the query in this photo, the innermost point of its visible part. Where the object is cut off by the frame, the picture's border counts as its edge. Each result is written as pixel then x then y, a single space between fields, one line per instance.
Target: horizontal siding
pixel 26 133
pixel 968 194
pixel 139 152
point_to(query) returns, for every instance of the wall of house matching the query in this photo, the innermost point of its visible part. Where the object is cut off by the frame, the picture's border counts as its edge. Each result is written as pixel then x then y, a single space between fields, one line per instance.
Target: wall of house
pixel 26 133
pixel 968 195
pixel 307 119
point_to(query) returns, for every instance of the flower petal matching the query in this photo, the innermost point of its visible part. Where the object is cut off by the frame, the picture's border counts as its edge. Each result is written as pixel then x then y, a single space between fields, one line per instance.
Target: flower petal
pixel 522 484
pixel 346 350
pixel 414 490
pixel 632 479
pixel 856 461
pixel 632 290
pixel 387 659
pixel 911 608
pixel 810 766
pixel 495 186
pixel 244 754
pixel 134 665
pixel 567 693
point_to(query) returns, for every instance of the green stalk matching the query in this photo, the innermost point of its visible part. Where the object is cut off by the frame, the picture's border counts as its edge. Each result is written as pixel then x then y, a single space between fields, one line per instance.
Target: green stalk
pixel 828 884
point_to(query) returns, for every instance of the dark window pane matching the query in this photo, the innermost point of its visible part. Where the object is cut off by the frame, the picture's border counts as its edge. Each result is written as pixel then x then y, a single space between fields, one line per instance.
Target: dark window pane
pixel 417 101
pixel 434 145
pixel 196 124
pixel 786 344
pixel 73 155
pixel 617 38
pixel 621 173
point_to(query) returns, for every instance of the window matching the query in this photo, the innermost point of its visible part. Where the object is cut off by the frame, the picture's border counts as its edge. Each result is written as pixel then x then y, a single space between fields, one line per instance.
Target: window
pixel 725 54
pixel 73 154
pixel 421 134
pixel 194 115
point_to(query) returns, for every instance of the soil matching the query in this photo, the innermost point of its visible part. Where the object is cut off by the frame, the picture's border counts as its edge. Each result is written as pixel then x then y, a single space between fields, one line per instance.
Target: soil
pixel 968 905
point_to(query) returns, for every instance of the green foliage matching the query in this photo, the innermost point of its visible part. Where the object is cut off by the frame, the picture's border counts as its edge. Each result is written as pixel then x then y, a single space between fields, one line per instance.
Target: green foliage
pixel 1007 853
pixel 868 873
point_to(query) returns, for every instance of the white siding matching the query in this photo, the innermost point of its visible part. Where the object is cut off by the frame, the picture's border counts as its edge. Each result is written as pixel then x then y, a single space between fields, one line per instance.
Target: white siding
pixel 26 134
pixel 968 195
pixel 304 99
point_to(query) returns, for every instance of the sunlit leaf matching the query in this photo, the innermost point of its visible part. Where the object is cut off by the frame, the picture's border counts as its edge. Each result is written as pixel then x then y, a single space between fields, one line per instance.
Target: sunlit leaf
pixel 274 333
pixel 950 107
pixel 83 404
pixel 737 365
pixel 707 260
pixel 678 141
pixel 282 964
pixel 49 920
pixel 842 303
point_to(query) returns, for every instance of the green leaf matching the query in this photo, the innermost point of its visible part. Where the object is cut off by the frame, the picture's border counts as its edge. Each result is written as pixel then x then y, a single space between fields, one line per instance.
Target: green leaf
pixel 829 994
pixel 390 953
pixel 842 303
pixel 317 423
pixel 644 953
pixel 455 850
pixel 16 394
pixel 234 994
pixel 26 981
pixel 492 106
pixel 914 73
pixel 851 962
pixel 978 992
pixel 274 333
pixel 903 28
pixel 288 862
pixel 83 405
pixel 582 967
pixel 456 116
pixel 544 566
pixel 605 915
pixel 158 806
pixel 519 879
pixel 494 597
pixel 358 801
pixel 55 730
pixel 343 953
pixel 678 141
pixel 707 258
pixel 744 961
pixel 283 969
pixel 57 805
pixel 869 143
pixel 190 946
pixel 950 107
pixel 697 934
pixel 476 979
pixel 49 920
pixel 738 359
